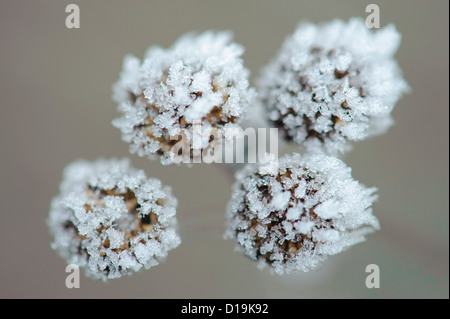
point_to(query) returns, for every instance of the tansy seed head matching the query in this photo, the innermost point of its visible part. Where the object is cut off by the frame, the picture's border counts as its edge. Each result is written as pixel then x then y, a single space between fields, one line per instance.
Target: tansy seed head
pixel 293 218
pixel 200 79
pixel 332 84
pixel 111 219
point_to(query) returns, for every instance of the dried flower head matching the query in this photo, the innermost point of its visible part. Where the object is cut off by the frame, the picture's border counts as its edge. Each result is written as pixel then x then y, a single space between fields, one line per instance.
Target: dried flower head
pixel 295 217
pixel 200 79
pixel 333 83
pixel 111 219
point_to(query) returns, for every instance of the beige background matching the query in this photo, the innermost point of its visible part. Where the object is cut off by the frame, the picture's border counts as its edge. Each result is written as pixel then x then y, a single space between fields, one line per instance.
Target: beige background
pixel 55 100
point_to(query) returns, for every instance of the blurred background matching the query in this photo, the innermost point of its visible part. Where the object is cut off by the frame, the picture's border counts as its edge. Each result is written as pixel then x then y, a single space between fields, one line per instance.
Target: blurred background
pixel 55 102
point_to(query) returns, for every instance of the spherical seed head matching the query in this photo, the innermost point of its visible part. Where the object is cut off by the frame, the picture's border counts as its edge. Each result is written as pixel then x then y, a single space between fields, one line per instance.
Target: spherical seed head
pixel 298 215
pixel 332 84
pixel 199 80
pixel 111 219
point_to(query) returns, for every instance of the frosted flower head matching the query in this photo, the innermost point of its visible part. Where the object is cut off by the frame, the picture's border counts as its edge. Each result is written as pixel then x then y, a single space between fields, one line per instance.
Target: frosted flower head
pixel 199 79
pixel 111 219
pixel 296 217
pixel 333 83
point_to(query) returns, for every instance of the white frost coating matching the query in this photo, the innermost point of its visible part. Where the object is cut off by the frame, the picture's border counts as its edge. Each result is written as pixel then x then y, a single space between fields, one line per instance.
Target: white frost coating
pixel 199 79
pixel 333 83
pixel 326 211
pixel 111 219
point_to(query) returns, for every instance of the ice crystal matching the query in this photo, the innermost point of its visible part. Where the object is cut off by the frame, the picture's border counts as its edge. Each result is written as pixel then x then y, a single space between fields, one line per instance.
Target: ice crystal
pixel 296 217
pixel 333 83
pixel 200 79
pixel 111 219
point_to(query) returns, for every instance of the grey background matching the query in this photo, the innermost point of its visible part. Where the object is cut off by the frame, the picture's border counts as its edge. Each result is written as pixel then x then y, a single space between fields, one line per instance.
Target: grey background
pixel 55 100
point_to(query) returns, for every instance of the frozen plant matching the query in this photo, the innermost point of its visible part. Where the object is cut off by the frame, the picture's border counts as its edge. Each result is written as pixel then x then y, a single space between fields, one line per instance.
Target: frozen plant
pixel 295 217
pixel 329 85
pixel 111 219
pixel 199 79
pixel 333 83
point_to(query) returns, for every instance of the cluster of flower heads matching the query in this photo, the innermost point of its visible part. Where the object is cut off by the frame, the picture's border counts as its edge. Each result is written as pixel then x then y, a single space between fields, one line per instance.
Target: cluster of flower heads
pixel 332 84
pixel 329 85
pixel 295 217
pixel 200 80
pixel 111 219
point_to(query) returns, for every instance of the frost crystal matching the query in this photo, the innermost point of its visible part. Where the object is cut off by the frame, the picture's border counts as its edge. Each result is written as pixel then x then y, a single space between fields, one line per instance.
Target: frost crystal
pixel 333 83
pixel 111 219
pixel 295 218
pixel 200 79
